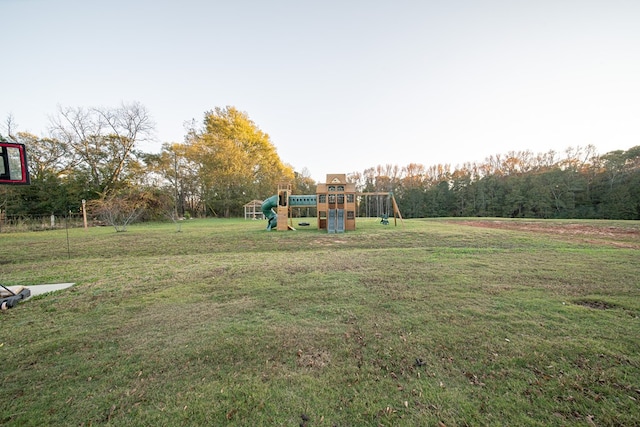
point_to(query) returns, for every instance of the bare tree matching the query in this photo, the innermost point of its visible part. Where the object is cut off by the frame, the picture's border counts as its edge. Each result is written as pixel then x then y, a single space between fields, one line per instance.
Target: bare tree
pixel 10 125
pixel 103 140
pixel 119 210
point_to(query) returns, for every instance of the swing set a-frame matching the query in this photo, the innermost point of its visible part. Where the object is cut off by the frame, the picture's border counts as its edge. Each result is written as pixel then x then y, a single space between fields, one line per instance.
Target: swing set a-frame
pixel 380 204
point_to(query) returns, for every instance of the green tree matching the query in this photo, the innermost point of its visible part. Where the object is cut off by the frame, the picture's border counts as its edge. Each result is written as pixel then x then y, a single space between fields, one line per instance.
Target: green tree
pixel 54 185
pixel 616 188
pixel 303 183
pixel 236 161
pixel 176 175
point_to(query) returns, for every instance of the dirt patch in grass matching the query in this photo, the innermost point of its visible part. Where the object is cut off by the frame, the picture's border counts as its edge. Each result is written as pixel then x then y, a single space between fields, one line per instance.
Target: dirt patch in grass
pixel 313 358
pixel 619 236
pixel 598 305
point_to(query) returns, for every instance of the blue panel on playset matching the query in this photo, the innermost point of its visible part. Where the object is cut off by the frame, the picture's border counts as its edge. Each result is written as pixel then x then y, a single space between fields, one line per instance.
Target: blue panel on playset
pixel 331 221
pixel 340 221
pixel 308 200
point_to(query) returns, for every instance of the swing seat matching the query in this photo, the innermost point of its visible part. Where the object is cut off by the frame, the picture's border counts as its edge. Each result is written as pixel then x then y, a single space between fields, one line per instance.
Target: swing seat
pixel 385 220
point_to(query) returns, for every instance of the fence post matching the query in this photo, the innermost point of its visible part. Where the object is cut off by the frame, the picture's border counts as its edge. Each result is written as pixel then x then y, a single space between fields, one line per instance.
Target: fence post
pixel 84 213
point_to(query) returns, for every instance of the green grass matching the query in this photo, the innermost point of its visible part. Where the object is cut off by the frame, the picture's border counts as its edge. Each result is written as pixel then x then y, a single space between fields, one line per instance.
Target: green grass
pixel 223 323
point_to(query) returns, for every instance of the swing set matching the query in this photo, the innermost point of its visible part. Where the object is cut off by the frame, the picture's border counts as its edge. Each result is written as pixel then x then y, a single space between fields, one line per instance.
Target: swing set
pixel 379 205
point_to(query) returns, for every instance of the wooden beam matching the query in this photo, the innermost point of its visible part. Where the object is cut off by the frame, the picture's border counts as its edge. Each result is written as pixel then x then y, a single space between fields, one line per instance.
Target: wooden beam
pixel 396 209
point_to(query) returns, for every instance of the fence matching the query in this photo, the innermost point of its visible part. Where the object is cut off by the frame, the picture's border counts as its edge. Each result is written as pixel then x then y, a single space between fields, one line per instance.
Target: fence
pixel 17 223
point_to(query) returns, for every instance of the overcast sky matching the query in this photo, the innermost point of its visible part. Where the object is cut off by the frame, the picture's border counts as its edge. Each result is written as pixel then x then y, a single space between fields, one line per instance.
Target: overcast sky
pixel 339 86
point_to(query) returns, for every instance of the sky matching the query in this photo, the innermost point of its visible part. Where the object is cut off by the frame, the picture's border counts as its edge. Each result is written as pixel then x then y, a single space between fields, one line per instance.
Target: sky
pixel 338 85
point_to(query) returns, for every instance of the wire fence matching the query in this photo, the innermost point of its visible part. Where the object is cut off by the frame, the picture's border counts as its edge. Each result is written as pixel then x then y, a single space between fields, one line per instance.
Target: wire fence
pixel 18 223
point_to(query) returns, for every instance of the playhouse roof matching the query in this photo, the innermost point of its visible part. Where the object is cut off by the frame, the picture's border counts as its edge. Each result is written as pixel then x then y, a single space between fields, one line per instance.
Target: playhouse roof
pixel 253 203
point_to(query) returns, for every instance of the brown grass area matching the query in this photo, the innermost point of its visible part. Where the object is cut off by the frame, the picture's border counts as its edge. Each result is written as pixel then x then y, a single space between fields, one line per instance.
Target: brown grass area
pixel 617 235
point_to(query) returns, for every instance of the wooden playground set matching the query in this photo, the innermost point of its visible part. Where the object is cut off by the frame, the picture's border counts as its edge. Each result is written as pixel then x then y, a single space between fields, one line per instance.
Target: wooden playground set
pixel 336 202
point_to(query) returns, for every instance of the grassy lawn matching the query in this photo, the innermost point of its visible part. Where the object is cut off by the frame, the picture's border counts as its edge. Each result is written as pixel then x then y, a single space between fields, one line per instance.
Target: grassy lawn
pixel 436 322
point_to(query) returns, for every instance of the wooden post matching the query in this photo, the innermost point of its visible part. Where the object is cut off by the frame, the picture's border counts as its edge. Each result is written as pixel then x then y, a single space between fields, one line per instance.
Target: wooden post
pixel 396 209
pixel 84 213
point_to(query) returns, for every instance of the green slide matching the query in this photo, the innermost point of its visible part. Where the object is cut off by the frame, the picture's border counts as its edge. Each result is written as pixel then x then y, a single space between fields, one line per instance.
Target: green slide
pixel 269 213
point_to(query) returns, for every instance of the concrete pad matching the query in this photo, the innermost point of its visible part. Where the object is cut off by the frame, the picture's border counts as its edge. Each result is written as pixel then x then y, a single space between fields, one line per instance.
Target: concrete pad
pixel 44 289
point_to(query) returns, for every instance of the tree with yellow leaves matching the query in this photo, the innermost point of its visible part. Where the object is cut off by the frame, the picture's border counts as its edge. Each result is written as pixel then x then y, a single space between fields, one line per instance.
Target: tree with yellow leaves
pixel 236 161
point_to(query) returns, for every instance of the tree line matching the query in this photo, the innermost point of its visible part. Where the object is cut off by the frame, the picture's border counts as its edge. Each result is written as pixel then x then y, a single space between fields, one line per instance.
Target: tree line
pixel 578 183
pixel 92 154
pixel 226 161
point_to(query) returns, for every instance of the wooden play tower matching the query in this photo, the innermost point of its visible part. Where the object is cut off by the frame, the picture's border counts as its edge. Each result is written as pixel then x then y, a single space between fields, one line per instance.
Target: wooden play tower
pixel 336 204
pixel 284 190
